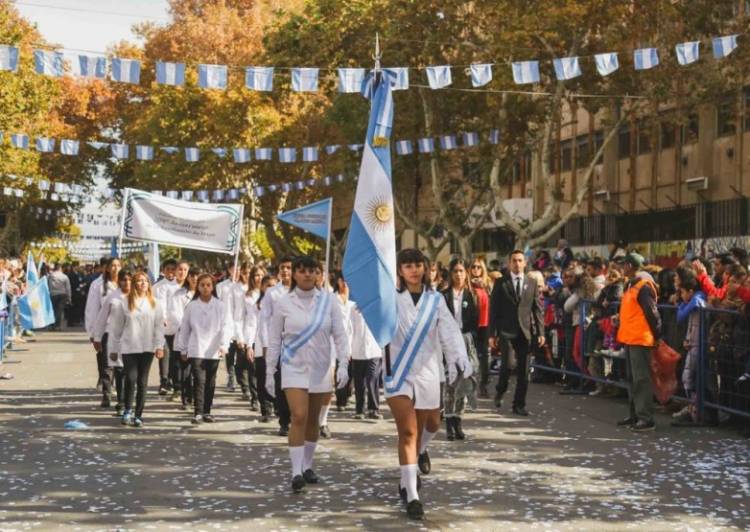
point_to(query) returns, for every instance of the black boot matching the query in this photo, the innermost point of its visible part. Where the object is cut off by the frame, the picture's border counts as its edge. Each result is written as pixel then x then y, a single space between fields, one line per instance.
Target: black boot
pixel 450 433
pixel 458 429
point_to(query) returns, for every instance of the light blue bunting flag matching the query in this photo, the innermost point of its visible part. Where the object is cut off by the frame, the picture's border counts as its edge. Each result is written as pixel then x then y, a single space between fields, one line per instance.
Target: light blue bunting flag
pixel 212 76
pixel 481 75
pixel 45 144
pixel 399 78
pixel 723 46
pixel 448 142
pixel 144 153
pixel 404 147
pixel 333 148
pixel 287 155
pixel 567 68
pixel 688 52
pixel 171 150
pixel 351 79
pixel 606 64
pixel 426 145
pixel 355 147
pixel 309 154
pixel 263 154
pixel 645 58
pixel 120 151
pixel 202 195
pixel 97 145
pixel 219 152
pixel 241 155
pixel 327 181
pixel 92 66
pixel 20 141
pixel 8 58
pixel 48 63
pixel 69 147
pixel 286 187
pixel 218 195
pixel 259 191
pixel 526 72
pixel 305 79
pixel 471 138
pixel 259 78
pixel 126 70
pixel 299 185
pixel 439 76
pixel 187 195
pixel 170 73
pixel 494 136
pixel 192 155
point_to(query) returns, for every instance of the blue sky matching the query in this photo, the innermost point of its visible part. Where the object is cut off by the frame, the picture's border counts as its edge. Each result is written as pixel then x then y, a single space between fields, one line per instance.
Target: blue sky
pixel 90 24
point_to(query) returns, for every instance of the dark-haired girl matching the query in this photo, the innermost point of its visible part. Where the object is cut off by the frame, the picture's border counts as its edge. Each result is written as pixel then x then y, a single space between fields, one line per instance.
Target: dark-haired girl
pixel 425 332
pixel 304 321
pixel 203 338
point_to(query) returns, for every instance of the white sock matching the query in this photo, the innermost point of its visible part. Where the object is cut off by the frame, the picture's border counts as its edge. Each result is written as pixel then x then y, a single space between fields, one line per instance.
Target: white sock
pixel 426 439
pixel 297 455
pixel 307 462
pixel 409 481
pixel 323 417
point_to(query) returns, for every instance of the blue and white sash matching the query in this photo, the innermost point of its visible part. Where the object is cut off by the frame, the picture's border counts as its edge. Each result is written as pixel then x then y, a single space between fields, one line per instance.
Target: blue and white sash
pixel 322 307
pixel 413 341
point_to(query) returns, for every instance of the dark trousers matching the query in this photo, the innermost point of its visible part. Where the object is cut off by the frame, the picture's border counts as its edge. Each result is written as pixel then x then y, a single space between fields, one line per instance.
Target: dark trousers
pixel 164 367
pixel 174 373
pixel 520 348
pixel 204 375
pixel 183 377
pixel 137 367
pixel 366 377
pixel 231 358
pixel 343 394
pixel 58 307
pixel 483 354
pixel 640 393
pixel 260 380
pixel 105 372
pixel 282 407
pixel 244 371
pixel 119 379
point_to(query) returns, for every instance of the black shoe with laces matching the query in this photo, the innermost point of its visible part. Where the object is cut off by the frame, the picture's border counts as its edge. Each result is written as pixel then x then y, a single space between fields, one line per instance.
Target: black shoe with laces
pixel 450 435
pixel 283 431
pixel 520 411
pixel 298 483
pixel 414 510
pixel 310 476
pixel 627 422
pixel 643 426
pixel 208 418
pixel 425 466
pixel 402 491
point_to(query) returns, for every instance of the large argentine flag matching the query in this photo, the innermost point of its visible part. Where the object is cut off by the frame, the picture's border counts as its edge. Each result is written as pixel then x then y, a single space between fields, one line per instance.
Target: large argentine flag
pixel 370 257
pixel 35 307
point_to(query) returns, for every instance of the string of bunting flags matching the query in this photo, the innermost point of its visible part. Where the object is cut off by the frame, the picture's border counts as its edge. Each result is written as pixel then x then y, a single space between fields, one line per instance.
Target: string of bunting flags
pixel 57 63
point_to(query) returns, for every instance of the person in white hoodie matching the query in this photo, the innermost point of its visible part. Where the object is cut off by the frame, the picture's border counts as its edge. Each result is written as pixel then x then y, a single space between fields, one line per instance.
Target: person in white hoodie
pixel 102 333
pixel 138 335
pixel 100 287
pixel 425 328
pixel 176 304
pixel 304 320
pixel 204 338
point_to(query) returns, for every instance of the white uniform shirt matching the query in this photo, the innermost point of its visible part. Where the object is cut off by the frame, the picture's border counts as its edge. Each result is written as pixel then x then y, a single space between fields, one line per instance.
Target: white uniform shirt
pixel 292 313
pixel 140 330
pixel 176 304
pixel 364 345
pixel 250 320
pixel 233 295
pixel 163 290
pixel 94 302
pixel 205 330
pixel 266 312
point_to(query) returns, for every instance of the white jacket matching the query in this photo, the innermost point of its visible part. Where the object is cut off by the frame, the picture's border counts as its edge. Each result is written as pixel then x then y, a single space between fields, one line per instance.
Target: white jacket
pixel 140 330
pixel 250 321
pixel 176 304
pixel 347 308
pixel 292 313
pixel 163 290
pixel 205 330
pixel 233 295
pixel 94 302
pixel 266 312
pixel 103 323
pixel 364 345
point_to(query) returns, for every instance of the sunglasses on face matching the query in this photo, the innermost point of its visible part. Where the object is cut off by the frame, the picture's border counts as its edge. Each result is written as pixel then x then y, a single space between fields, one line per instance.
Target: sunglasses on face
pixel 476 266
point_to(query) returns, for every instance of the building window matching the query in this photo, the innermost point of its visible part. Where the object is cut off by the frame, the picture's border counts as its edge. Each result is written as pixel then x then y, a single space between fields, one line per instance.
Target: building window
pixel 667 131
pixel 598 140
pixel 690 130
pixel 583 157
pixel 566 147
pixel 725 122
pixel 644 139
pixel 623 141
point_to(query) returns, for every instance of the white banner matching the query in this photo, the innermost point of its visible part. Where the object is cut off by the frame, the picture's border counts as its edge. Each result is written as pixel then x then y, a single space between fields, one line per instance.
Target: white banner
pixel 213 227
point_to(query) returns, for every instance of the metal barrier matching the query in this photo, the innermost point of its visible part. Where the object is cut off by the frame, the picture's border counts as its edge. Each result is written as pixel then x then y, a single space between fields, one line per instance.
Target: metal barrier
pixel 723 357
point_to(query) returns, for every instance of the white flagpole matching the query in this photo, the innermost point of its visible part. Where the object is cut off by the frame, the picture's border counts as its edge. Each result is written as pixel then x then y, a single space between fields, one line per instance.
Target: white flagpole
pixel 122 221
pixel 239 243
pixel 328 244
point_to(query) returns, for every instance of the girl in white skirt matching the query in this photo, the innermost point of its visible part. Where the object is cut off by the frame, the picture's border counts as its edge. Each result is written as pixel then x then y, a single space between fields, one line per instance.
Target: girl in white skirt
pixel 304 320
pixel 425 330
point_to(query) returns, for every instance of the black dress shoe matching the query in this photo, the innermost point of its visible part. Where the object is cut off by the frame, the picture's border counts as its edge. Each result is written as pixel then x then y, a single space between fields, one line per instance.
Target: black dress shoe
pixel 449 433
pixel 627 422
pixel 458 429
pixel 208 418
pixel 425 466
pixel 498 401
pixel 643 426
pixel 298 483
pixel 520 411
pixel 284 431
pixel 402 491
pixel 414 510
pixel 310 476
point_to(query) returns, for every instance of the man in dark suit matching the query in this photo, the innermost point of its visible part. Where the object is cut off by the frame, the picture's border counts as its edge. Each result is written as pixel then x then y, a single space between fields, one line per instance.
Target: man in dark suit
pixel 516 321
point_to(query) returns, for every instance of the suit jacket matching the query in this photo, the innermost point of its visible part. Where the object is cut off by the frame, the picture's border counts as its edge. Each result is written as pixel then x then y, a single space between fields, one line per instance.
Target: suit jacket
pixel 469 312
pixel 511 315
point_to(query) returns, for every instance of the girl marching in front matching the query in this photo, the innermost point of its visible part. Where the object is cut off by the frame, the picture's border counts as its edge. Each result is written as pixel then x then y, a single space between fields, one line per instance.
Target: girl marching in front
pixel 176 305
pixel 103 337
pixel 304 321
pixel 138 335
pixel 425 332
pixel 204 337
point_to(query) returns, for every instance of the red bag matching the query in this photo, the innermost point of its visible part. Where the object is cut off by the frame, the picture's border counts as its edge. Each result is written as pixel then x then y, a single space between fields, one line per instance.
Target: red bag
pixel 664 361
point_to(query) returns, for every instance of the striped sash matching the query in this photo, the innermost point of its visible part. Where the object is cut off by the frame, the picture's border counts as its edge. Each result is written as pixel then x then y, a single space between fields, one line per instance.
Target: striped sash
pixel 413 341
pixel 322 306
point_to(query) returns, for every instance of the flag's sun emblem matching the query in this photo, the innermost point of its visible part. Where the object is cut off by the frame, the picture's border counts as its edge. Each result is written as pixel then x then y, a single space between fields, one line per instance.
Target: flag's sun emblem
pixel 379 214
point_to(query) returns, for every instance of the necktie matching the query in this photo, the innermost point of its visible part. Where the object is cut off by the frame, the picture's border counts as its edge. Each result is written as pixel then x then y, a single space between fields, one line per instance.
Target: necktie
pixel 518 287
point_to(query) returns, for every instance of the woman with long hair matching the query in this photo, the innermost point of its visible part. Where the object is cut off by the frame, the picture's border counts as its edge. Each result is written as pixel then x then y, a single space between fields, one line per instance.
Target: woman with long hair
pixel 304 321
pixel 481 284
pixel 425 332
pixel 461 302
pixel 102 334
pixel 138 335
pixel 176 305
pixel 203 338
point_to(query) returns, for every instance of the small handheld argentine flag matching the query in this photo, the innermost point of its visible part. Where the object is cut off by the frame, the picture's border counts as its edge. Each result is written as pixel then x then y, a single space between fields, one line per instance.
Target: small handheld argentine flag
pixel 645 58
pixel 170 73
pixel 32 274
pixel 607 63
pixel 723 46
pixel 35 307
pixel 126 70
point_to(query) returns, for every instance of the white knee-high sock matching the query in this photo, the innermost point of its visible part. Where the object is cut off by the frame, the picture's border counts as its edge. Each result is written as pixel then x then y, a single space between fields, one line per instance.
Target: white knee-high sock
pixel 323 417
pixel 409 481
pixel 297 455
pixel 307 462
pixel 426 439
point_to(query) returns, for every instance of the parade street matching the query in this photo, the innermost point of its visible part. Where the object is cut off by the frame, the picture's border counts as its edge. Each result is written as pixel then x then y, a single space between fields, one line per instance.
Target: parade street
pixel 567 467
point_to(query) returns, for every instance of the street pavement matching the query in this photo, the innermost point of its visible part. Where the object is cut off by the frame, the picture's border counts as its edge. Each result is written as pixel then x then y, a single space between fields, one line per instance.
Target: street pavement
pixel 567 467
